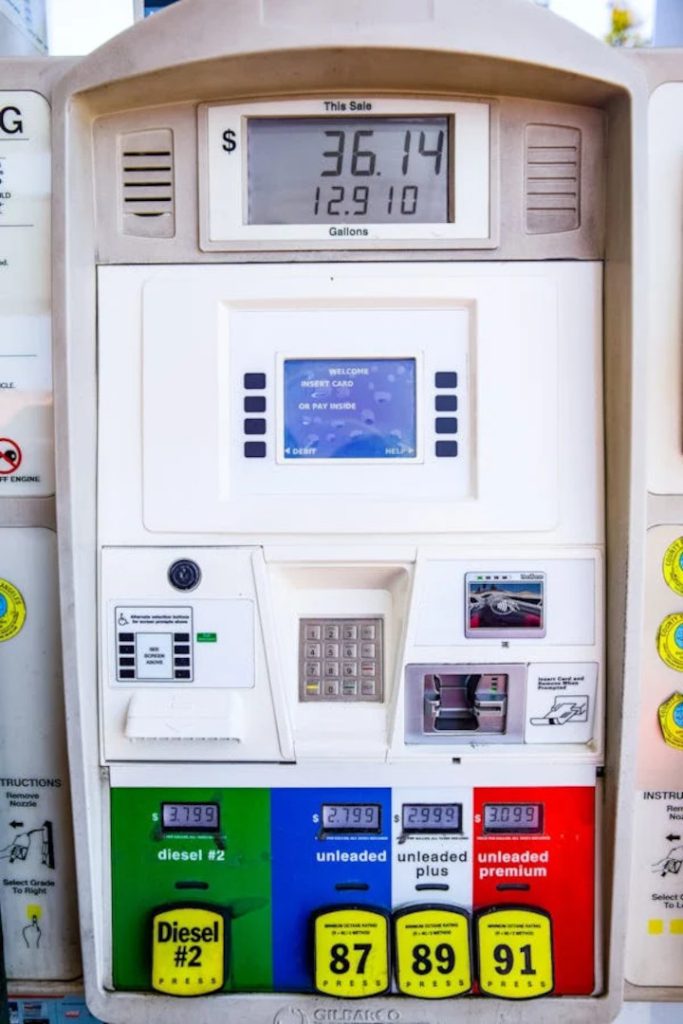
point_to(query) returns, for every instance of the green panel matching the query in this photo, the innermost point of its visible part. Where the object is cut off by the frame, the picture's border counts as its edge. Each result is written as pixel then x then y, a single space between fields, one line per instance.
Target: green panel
pixel 147 866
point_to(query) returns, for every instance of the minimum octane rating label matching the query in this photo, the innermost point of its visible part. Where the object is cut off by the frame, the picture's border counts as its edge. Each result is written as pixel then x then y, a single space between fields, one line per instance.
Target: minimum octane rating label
pixel 432 949
pixel 188 951
pixel 351 952
pixel 515 952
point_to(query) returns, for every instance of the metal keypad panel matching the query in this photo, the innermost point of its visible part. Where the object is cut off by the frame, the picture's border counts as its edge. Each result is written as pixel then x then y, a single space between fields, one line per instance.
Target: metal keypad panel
pixel 341 660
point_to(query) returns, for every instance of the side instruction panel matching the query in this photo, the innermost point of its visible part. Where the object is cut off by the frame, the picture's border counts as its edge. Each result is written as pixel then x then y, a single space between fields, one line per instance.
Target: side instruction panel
pixel 26 434
pixel 37 886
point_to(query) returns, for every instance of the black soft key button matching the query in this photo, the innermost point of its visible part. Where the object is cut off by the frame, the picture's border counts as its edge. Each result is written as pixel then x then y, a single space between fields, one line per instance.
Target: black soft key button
pixel 446 403
pixel 254 381
pixel 254 426
pixel 446 449
pixel 446 379
pixel 446 425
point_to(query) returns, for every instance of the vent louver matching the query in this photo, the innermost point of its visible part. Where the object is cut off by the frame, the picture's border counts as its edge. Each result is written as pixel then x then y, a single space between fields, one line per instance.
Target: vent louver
pixel 552 179
pixel 147 183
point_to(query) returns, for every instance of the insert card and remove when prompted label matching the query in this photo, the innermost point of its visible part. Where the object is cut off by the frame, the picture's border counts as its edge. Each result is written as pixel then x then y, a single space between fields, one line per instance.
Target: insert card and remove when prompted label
pixel 515 950
pixel 351 951
pixel 432 952
pixel 189 950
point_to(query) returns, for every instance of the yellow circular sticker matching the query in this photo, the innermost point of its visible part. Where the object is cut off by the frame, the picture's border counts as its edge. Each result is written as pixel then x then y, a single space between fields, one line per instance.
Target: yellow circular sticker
pixel 432 952
pixel 12 611
pixel 672 565
pixel 671 720
pixel 670 641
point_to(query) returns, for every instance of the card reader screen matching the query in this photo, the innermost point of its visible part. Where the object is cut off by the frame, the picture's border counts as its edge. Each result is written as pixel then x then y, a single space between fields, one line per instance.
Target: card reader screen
pixel 351 818
pixel 432 818
pixel 513 819
pixel 348 170
pixel 505 604
pixel 350 409
pixel 189 817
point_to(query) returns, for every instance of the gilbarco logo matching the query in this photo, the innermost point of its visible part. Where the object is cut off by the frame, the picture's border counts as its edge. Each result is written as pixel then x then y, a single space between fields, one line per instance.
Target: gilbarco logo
pixel 321 1015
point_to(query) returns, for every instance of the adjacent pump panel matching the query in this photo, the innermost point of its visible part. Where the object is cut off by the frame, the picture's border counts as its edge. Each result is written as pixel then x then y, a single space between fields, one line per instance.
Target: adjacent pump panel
pixel 26 445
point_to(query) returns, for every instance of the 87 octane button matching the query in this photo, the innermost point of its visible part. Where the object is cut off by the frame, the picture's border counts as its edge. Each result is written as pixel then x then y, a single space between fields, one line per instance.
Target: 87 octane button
pixel 432 951
pixel 189 950
pixel 351 951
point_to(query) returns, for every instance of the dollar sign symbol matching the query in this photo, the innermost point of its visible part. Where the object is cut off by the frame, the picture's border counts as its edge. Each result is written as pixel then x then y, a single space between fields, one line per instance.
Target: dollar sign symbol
pixel 229 142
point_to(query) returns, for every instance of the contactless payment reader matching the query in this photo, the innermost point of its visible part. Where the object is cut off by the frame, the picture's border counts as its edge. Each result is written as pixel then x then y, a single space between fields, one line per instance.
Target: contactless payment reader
pixel 344 300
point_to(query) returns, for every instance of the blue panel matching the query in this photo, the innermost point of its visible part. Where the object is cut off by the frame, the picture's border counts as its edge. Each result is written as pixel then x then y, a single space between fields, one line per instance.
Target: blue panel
pixel 350 409
pixel 312 869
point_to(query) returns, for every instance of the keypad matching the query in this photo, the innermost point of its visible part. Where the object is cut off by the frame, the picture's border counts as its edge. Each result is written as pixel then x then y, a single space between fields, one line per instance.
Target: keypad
pixel 446 400
pixel 341 660
pixel 255 425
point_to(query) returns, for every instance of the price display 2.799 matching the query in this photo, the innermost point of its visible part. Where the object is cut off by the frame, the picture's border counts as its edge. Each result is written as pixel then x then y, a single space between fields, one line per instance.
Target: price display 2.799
pixel 331 170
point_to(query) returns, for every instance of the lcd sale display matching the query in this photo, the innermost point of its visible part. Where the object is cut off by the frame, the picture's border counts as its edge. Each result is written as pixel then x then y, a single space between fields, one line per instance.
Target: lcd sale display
pixel 431 818
pixel 350 409
pixel 189 817
pixel 351 818
pixel 348 170
pixel 505 604
pixel 513 819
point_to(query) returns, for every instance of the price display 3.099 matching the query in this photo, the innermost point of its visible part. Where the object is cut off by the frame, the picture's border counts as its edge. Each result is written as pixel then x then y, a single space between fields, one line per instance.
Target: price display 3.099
pixel 375 170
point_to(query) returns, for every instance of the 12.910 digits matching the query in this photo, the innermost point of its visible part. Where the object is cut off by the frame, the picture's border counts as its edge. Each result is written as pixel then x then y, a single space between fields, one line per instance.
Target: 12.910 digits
pixel 395 175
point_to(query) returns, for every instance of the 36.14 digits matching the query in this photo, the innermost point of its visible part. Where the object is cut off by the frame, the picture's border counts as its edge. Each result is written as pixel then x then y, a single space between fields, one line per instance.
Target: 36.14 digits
pixel 388 181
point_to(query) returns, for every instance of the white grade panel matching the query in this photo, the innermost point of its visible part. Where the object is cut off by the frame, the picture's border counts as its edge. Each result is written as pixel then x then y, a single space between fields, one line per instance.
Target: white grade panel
pixel 432 867
pixel 26 431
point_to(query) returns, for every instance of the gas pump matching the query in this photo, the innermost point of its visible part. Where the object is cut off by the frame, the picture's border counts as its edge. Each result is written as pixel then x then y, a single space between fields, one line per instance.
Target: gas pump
pixel 347 365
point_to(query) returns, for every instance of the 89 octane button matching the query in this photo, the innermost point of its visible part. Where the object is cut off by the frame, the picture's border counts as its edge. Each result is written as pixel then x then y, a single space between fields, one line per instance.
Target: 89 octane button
pixel 351 951
pixel 432 951
pixel 189 950
pixel 515 949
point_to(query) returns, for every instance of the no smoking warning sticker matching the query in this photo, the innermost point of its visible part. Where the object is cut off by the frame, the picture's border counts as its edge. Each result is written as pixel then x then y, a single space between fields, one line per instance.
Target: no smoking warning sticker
pixel 12 610
pixel 10 456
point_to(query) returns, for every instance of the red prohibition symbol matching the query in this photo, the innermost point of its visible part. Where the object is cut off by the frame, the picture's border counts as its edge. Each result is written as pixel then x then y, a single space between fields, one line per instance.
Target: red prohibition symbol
pixel 10 456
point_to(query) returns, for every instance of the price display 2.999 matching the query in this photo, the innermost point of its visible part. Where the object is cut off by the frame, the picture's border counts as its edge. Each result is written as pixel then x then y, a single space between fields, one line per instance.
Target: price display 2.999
pixel 351 170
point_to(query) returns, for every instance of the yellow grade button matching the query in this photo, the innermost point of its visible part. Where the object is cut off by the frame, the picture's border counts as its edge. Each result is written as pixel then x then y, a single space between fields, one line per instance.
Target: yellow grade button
pixel 188 950
pixel 671 720
pixel 515 948
pixel 351 951
pixel 672 565
pixel 12 610
pixel 432 951
pixel 670 641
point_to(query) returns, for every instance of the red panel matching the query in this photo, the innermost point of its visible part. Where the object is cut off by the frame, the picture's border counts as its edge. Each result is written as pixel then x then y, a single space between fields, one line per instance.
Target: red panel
pixel 553 870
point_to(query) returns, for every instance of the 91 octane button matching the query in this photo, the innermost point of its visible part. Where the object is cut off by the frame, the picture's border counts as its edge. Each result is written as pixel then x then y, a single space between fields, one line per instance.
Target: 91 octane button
pixel 432 951
pixel 351 951
pixel 188 950
pixel 515 952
